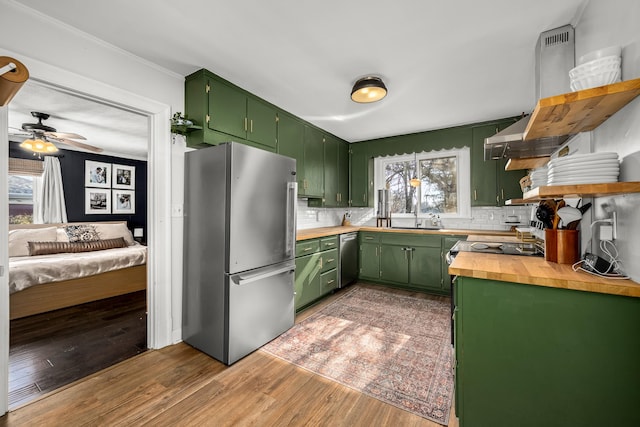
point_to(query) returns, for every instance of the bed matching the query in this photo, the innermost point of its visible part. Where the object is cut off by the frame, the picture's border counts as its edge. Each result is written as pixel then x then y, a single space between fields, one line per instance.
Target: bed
pixel 40 281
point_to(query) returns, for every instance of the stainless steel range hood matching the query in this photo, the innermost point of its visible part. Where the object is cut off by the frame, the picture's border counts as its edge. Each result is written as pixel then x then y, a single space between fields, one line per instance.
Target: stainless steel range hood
pixel 554 57
pixel 510 143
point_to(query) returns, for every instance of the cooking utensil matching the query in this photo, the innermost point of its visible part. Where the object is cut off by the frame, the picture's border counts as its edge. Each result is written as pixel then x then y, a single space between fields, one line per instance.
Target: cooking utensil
pixel 573 225
pixel 569 214
pixel 584 208
pixel 556 217
pixel 544 214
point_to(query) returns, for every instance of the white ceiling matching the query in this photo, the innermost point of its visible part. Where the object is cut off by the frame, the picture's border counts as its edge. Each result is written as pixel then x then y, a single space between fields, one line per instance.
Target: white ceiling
pixel 445 63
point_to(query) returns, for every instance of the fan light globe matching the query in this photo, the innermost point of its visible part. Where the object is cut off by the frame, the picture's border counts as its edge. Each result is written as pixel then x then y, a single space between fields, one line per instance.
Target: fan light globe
pixel 368 89
pixel 38 146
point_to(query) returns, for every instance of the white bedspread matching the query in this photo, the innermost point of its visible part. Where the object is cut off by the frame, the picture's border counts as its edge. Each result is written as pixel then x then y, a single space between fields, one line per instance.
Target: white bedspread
pixel 28 271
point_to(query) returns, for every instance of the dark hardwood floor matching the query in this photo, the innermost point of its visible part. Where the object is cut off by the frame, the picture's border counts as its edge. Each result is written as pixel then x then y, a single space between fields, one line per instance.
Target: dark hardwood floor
pixel 50 350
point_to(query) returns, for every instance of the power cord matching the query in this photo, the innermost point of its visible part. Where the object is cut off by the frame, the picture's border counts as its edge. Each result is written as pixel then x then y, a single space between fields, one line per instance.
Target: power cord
pixel 614 263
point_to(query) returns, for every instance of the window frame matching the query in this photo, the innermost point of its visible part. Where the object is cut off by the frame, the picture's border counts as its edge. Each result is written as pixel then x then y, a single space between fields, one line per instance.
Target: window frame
pixel 463 160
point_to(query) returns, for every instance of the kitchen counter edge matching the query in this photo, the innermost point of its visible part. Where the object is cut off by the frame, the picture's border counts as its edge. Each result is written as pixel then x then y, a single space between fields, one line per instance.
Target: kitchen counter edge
pixel 536 271
pixel 314 233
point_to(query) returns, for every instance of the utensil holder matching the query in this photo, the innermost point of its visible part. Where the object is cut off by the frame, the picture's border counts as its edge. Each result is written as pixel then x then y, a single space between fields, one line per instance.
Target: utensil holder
pixel 551 245
pixel 568 246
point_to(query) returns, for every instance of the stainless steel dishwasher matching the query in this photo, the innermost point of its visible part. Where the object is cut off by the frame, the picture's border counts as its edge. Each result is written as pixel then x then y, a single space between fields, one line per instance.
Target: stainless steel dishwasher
pixel 348 258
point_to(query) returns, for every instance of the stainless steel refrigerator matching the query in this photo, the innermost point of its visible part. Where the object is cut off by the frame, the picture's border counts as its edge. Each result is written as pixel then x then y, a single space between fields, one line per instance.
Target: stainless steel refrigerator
pixel 239 249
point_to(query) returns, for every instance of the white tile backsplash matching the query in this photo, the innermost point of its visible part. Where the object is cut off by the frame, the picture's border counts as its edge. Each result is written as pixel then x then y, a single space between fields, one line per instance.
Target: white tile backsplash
pixel 490 218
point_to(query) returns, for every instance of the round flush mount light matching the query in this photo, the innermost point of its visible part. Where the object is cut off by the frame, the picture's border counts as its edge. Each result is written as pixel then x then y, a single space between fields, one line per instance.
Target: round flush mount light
pixel 368 89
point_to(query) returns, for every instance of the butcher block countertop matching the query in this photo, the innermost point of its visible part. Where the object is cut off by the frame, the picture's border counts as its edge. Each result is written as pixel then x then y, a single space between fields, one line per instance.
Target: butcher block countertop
pixel 536 271
pixel 314 233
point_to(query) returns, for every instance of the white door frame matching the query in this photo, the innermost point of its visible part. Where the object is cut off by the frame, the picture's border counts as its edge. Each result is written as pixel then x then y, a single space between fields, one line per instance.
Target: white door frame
pixel 159 325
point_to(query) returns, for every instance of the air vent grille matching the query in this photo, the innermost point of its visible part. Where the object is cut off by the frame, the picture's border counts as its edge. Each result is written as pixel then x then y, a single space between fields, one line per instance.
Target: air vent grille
pixel 555 39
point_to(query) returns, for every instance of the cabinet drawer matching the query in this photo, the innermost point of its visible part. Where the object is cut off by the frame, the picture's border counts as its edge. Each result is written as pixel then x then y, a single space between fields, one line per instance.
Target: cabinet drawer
pixel 432 241
pixel 328 243
pixel 306 247
pixel 328 281
pixel 366 237
pixel 329 260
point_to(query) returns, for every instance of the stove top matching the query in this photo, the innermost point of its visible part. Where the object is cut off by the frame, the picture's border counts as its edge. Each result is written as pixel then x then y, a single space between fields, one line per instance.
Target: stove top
pixel 504 248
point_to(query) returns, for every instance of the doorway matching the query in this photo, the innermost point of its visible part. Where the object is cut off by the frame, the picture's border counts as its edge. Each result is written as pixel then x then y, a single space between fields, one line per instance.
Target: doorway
pixel 159 323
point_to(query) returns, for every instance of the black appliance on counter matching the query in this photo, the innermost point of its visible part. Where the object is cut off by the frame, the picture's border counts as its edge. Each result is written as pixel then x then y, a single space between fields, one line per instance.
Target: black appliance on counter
pixel 503 248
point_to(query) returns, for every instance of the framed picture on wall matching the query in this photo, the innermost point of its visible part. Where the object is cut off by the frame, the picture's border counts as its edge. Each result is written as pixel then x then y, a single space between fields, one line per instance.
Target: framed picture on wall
pixel 97 201
pixel 97 174
pixel 124 202
pixel 124 177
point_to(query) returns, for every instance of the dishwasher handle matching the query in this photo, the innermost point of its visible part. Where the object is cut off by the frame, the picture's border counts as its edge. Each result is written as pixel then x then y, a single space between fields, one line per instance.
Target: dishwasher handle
pixel 348 237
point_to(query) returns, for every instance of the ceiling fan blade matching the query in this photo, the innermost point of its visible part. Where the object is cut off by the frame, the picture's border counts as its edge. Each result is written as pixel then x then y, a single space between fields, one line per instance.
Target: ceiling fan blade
pixel 64 135
pixel 79 145
pixel 18 131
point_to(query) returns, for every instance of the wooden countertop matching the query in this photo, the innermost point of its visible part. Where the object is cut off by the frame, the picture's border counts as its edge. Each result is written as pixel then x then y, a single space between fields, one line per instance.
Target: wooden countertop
pixel 537 271
pixel 314 233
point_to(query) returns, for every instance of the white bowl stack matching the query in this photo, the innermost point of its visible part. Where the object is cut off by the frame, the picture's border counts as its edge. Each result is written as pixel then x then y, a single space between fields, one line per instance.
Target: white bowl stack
pixel 539 177
pixel 597 68
pixel 593 168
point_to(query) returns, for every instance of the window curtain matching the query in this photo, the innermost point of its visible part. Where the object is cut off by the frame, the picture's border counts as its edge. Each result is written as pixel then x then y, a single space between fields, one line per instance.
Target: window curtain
pixel 48 194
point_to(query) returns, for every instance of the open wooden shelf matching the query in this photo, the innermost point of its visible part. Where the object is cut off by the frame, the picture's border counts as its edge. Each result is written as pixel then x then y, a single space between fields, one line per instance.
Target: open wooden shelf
pixel 526 163
pixel 581 190
pixel 580 111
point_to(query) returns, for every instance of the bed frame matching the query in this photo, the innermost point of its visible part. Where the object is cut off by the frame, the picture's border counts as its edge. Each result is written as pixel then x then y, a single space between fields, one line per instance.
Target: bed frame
pixel 38 299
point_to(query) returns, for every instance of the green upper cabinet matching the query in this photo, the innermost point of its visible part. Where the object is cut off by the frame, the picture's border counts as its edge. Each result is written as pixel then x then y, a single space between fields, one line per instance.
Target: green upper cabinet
pixel 313 179
pixel 491 185
pixel 291 142
pixel 361 180
pixel 331 196
pixel 343 174
pixel 227 112
pixel 262 123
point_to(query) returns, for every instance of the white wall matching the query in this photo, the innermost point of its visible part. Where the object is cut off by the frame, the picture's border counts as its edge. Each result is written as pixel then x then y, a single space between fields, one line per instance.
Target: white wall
pixel 27 33
pixel 606 23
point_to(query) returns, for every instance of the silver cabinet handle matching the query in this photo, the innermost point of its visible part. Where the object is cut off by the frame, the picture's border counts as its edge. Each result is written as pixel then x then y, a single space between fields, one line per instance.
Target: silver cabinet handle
pixel 330 282
pixel 307 249
pixel 243 280
pixel 330 260
pixel 292 213
pixel 330 244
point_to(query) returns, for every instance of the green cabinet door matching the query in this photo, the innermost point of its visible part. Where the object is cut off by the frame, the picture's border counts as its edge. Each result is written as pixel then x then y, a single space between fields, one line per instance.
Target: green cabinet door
pixel 343 174
pixel 227 109
pixel 307 283
pixel 425 271
pixel 394 264
pixel 291 143
pixel 360 180
pixel 262 124
pixel 369 261
pixel 313 184
pixel 483 173
pixel 331 198
pixel 509 182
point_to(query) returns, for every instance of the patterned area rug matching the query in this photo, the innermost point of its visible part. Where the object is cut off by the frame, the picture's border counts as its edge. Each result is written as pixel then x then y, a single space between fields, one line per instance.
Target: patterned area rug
pixel 392 347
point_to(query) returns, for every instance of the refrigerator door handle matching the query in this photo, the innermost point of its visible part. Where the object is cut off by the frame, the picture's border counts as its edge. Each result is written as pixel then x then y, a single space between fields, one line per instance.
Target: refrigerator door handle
pixel 292 211
pixel 243 280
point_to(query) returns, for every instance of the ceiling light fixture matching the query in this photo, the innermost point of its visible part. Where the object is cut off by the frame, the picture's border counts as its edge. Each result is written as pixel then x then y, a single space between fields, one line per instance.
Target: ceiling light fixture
pixel 368 89
pixel 415 181
pixel 38 146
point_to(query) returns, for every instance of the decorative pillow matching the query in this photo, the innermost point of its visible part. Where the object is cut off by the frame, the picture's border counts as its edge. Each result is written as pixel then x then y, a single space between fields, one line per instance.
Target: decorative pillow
pixel 82 233
pixel 18 239
pixel 48 248
pixel 111 231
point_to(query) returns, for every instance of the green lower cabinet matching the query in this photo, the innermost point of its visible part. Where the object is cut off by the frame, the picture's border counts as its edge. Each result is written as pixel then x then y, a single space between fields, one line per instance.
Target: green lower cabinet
pixel 531 356
pixel 369 261
pixel 424 268
pixel 307 283
pixel 328 281
pixel 394 264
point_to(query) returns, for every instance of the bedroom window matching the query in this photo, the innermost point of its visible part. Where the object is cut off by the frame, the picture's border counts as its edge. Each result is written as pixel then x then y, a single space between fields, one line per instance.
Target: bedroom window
pixel 22 176
pixel 443 187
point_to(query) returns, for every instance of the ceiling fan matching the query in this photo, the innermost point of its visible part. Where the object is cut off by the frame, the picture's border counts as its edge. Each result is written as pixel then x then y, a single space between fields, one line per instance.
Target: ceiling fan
pixel 42 135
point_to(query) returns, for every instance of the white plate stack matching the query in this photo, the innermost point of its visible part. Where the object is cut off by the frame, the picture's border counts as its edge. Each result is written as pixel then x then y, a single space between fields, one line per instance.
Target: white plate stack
pixel 597 68
pixel 593 168
pixel 538 177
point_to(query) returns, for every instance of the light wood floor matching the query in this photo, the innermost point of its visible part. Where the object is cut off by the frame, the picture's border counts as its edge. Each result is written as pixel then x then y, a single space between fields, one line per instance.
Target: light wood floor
pixel 180 386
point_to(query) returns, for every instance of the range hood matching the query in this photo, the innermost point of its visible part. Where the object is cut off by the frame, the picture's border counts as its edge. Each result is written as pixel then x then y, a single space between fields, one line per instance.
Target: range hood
pixel 510 143
pixel 554 57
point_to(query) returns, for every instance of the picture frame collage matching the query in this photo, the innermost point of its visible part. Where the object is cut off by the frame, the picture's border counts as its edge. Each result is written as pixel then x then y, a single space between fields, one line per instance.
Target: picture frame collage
pixel 109 188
